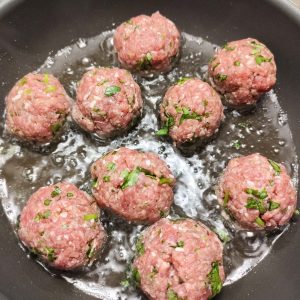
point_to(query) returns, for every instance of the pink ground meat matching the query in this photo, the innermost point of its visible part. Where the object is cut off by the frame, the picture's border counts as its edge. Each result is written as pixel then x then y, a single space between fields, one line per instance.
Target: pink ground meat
pixel 179 259
pixel 147 42
pixel 60 223
pixel 257 192
pixel 36 107
pixel 193 110
pixel 135 185
pixel 242 71
pixel 108 101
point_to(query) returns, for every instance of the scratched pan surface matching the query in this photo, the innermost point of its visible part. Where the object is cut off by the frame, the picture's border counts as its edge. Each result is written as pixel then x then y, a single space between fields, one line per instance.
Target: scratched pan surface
pixel 30 29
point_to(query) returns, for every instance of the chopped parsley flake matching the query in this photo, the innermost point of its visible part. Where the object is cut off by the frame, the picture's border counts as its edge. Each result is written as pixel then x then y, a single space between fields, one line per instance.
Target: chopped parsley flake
pixel 146 62
pixel 188 115
pixel 168 125
pixel 182 80
pixel 139 247
pixel 55 192
pixel 112 90
pixel 214 278
pixel 275 166
pixel 91 250
pixel 47 202
pixel 273 205
pixel 50 252
pixel 22 81
pixel 110 166
pixel 236 144
pixel 90 217
pixel 259 222
pixel 179 244
pixel 55 128
pixel 258 204
pixel 106 178
pixel 237 63
pixel 130 179
pixel 260 59
pixel 45 215
pixel 221 77
pixel 228 48
pixel 165 180
pixel 297 212
pixel 171 295
pixel 70 194
pixel 46 78
pixel 226 198
pixel 50 88
pixel 94 183
pixel 136 276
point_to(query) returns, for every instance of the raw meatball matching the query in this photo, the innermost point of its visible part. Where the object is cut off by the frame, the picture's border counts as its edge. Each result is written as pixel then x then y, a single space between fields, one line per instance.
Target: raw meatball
pixel 179 259
pixel 257 192
pixel 145 43
pixel 60 224
pixel 36 107
pixel 242 71
pixel 133 184
pixel 191 110
pixel 108 101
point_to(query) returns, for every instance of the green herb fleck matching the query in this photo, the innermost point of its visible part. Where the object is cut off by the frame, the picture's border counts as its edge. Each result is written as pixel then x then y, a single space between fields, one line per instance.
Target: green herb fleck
pixel 112 90
pixel 223 235
pixel 46 78
pixel 91 250
pixel 55 127
pixel 102 82
pixel 171 295
pixel 226 198
pixel 45 215
pixel 70 194
pixel 215 66
pixel 50 252
pixel 56 192
pixel 214 278
pixel 94 183
pixel 90 217
pixel 182 80
pixel 259 194
pixel 106 178
pixel 258 204
pixel 243 124
pixel 188 115
pixel 168 125
pixel 260 59
pixel 139 247
pixel 273 205
pixel 125 283
pixel 237 63
pixel 110 166
pixel 50 88
pixel 47 202
pixel 236 144
pixel 153 272
pixel 179 244
pixel 275 166
pixel 22 81
pixel 163 214
pixel 228 48
pixel 145 63
pixel 130 179
pixel 221 77
pixel 259 222
pixel 136 276
pixel 297 212
pixel 165 180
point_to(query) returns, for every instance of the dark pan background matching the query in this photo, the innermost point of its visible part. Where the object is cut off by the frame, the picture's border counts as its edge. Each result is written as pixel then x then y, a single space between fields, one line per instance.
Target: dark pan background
pixel 30 29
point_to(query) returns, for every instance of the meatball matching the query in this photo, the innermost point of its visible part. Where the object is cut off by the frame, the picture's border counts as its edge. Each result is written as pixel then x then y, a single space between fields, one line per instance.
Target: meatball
pixel 191 110
pixel 147 43
pixel 179 259
pixel 108 101
pixel 242 71
pixel 36 107
pixel 60 223
pixel 135 185
pixel 257 192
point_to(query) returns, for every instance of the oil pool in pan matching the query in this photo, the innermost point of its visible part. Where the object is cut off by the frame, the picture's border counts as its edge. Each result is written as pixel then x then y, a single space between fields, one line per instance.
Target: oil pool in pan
pixel 265 131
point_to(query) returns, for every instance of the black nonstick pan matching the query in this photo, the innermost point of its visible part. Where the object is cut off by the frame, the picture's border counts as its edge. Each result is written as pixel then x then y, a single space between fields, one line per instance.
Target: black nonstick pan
pixel 29 30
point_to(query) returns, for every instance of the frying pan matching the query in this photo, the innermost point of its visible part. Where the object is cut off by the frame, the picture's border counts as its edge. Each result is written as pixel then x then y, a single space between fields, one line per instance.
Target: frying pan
pixel 30 29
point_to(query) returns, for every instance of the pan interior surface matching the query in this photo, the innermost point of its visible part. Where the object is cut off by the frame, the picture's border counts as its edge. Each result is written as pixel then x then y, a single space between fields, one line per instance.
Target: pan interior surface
pixel 274 144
